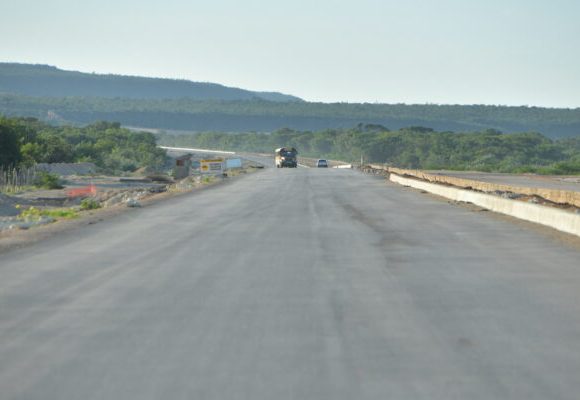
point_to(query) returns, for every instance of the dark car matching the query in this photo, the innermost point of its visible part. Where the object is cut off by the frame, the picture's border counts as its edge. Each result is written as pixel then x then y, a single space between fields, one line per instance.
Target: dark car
pixel 321 164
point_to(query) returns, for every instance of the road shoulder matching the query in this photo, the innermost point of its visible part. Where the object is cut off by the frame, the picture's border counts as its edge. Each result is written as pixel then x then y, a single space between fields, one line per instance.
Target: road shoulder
pixel 20 238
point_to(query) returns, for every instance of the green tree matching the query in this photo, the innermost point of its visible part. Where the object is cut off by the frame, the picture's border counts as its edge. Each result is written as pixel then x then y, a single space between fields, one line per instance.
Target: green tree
pixel 10 154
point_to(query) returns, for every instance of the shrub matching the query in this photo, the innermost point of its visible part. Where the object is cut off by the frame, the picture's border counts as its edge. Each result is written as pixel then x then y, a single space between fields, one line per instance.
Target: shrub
pixel 66 213
pixel 30 214
pixel 48 181
pixel 90 204
pixel 36 214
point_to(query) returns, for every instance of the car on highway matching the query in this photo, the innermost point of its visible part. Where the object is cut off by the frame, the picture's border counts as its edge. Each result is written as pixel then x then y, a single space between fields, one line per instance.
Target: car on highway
pixel 321 164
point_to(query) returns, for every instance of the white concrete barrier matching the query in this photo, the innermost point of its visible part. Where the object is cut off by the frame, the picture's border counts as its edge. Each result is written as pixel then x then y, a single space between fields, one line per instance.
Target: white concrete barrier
pixel 564 221
pixel 346 166
pixel 187 149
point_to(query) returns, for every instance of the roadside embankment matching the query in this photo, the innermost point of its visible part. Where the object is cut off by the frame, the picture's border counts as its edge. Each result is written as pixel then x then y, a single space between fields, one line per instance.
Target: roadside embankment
pixel 563 197
pixel 19 215
pixel 557 209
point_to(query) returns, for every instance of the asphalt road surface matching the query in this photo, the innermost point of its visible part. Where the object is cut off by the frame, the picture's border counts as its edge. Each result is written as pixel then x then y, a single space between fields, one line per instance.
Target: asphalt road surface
pixel 294 284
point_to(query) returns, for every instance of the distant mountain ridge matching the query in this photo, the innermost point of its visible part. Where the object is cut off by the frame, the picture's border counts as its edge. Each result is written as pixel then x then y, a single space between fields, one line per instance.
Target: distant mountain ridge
pixel 267 116
pixel 65 97
pixel 48 81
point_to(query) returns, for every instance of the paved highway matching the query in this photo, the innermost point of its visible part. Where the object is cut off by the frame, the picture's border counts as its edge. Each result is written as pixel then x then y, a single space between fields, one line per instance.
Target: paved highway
pixel 293 284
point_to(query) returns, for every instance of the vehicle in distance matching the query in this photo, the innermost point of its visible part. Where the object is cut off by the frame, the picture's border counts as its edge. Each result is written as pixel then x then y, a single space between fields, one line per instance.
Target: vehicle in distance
pixel 321 164
pixel 286 157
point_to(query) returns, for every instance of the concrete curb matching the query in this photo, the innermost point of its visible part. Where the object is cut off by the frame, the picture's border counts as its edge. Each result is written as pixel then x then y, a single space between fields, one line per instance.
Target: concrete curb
pixel 561 220
pixel 554 195
pixel 345 166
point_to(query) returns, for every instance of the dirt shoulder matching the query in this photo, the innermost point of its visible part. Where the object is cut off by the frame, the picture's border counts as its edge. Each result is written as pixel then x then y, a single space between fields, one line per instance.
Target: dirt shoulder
pixel 11 239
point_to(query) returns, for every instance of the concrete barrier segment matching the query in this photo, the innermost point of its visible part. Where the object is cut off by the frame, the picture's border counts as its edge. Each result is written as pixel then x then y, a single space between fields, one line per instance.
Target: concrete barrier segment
pixel 564 221
pixel 553 195
pixel 187 149
pixel 345 166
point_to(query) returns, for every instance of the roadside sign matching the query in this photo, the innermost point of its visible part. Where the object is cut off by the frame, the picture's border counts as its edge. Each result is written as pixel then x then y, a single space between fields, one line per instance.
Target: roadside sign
pixel 215 166
pixel 233 163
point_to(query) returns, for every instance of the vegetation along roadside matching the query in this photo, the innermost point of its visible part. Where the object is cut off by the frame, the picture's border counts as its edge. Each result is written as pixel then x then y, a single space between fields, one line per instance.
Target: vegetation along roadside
pixel 413 147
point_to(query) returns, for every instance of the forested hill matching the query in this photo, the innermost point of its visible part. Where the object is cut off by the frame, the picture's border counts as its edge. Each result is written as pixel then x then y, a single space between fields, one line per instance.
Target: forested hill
pixel 267 116
pixel 48 81
pixel 65 97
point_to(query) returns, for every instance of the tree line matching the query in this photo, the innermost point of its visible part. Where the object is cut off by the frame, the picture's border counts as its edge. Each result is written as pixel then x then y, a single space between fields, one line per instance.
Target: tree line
pixel 27 141
pixel 412 147
pixel 267 116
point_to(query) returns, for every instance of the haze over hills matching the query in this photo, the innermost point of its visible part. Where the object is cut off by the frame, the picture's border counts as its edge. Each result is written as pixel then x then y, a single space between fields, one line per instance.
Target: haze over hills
pixel 60 96
pixel 49 81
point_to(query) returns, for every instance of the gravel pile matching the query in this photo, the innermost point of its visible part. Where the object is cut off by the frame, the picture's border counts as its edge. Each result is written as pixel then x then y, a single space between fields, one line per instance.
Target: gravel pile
pixel 125 197
pixel 8 223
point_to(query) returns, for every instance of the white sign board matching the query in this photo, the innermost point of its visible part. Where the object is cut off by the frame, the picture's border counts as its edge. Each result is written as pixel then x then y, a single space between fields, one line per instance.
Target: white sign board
pixel 214 167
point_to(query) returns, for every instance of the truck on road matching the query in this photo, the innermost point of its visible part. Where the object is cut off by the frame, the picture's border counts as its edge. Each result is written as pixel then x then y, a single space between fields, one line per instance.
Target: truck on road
pixel 286 157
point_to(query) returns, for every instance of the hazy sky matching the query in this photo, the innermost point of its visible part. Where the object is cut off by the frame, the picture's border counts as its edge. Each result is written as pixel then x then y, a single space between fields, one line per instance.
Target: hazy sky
pixel 514 52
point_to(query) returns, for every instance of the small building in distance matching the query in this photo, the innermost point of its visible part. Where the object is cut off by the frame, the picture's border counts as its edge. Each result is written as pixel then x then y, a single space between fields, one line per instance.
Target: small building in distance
pixel 182 166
